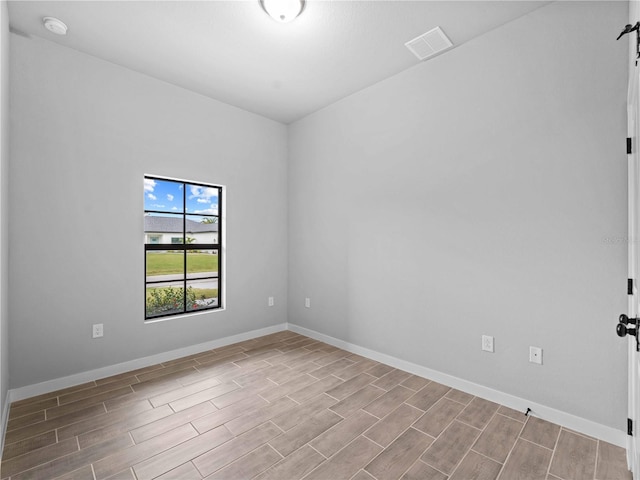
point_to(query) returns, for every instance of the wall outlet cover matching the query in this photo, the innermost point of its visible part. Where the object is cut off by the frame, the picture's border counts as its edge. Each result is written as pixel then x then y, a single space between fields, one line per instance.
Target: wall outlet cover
pixel 487 343
pixel 535 355
pixel 98 330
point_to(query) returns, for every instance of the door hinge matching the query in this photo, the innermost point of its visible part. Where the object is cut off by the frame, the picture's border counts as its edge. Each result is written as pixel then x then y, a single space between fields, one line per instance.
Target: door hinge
pixel 629 426
pixel 630 286
pixel 628 145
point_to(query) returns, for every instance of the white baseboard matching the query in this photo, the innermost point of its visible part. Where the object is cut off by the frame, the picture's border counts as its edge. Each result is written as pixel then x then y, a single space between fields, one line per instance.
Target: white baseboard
pixel 88 376
pixel 581 425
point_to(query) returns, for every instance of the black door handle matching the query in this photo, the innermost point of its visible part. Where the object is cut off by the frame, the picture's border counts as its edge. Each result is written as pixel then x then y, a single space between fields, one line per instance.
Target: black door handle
pixel 623 331
pixel 626 320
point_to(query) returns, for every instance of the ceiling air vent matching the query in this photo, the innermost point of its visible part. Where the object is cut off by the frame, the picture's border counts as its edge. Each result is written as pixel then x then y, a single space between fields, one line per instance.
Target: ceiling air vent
pixel 429 44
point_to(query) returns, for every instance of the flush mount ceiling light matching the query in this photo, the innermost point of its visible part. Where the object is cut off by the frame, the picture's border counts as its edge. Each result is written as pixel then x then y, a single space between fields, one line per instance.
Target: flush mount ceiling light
pixel 283 11
pixel 54 25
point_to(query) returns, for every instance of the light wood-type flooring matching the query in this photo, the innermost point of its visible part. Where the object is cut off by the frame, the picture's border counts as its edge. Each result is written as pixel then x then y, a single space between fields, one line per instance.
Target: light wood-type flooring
pixel 284 407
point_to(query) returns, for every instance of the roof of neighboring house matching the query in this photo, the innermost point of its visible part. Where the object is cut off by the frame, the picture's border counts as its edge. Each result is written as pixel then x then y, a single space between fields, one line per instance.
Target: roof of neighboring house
pixel 174 225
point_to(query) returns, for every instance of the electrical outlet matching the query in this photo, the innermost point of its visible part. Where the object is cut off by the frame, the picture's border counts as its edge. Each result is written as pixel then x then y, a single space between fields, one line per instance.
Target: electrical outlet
pixel 535 355
pixel 271 302
pixel 307 302
pixel 98 330
pixel 487 343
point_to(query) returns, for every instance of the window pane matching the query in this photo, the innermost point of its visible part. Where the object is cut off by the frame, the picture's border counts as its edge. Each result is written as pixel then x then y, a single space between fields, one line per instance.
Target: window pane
pixel 165 265
pixel 163 195
pixel 202 229
pixel 202 200
pixel 161 228
pixel 164 299
pixel 202 263
pixel 202 294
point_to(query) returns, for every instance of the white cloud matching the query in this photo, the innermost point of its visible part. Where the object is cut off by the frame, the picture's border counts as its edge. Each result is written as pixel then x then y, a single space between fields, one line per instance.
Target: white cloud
pixel 151 196
pixel 149 185
pixel 169 197
pixel 174 208
pixel 158 206
pixel 203 193
pixel 203 200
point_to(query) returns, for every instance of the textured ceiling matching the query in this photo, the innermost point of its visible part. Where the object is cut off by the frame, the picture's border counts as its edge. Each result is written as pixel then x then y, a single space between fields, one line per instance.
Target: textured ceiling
pixel 233 52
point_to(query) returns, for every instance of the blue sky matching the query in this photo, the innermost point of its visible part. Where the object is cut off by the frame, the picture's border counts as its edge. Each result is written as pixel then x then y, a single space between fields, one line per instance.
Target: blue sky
pixel 166 196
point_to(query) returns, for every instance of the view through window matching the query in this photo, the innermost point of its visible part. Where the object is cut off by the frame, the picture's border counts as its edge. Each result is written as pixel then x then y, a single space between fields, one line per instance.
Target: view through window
pixel 182 233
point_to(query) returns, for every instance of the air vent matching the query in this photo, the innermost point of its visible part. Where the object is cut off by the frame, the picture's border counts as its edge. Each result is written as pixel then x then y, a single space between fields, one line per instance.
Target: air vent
pixel 429 44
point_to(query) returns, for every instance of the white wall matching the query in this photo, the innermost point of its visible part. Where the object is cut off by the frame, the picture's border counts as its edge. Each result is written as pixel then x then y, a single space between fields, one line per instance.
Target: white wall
pixel 4 210
pixel 84 132
pixel 474 194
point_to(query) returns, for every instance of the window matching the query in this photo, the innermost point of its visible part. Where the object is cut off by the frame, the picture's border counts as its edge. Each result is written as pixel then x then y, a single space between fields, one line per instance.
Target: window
pixel 182 247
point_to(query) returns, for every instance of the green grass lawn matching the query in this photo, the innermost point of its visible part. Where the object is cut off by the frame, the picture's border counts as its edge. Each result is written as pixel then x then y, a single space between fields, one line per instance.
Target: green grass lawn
pixel 169 263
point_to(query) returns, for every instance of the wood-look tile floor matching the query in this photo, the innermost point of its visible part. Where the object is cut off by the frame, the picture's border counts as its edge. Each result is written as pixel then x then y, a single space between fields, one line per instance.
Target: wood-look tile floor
pixel 284 407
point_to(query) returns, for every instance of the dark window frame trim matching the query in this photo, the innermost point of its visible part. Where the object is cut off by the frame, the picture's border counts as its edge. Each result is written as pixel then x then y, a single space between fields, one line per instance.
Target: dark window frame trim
pixel 185 247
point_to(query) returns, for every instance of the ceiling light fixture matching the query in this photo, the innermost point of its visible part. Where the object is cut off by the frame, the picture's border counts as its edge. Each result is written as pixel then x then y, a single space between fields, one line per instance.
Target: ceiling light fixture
pixel 54 25
pixel 283 11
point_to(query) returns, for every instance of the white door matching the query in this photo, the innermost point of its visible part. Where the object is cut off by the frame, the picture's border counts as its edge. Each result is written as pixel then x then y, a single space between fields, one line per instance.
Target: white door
pixel 633 356
pixel 633 113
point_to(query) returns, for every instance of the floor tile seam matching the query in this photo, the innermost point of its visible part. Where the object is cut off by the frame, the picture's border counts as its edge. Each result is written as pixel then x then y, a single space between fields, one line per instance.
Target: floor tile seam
pixel 427 433
pixel 233 437
pixel 30 452
pixel 488 421
pixel 486 424
pixel 595 467
pixel 341 449
pixel 373 414
pixel 354 475
pixel 312 361
pixel 190 422
pixel 490 458
pixel 33 467
pixel 457 401
pixel 418 408
pixel 429 381
pixel 241 456
pixel 447 475
pixel 395 438
pixel 11 419
pixel 85 398
pixel 55 428
pixel 25 426
pixel 275 425
pixel 537 444
pixel 308 444
pixel 553 452
pixel 134 444
pixel 506 459
pixel 465 454
pixel 588 438
pixel 55 394
pixel 578 434
pixel 467 425
pixel 406 470
pixel 511 418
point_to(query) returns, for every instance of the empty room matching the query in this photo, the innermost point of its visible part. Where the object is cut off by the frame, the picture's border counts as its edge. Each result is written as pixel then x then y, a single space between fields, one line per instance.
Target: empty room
pixel 319 240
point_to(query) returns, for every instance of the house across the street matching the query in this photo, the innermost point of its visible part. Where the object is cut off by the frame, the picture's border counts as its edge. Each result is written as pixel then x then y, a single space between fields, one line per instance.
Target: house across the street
pixel 168 230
